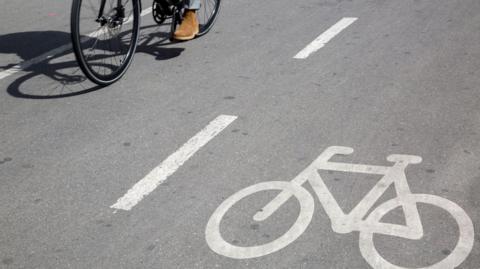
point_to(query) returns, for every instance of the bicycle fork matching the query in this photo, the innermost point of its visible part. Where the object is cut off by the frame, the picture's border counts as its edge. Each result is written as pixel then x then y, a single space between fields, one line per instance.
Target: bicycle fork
pixel 119 16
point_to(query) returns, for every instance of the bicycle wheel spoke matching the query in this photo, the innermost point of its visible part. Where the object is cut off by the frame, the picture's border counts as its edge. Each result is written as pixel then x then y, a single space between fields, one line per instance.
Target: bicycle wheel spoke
pixel 110 49
pixel 106 53
pixel 207 14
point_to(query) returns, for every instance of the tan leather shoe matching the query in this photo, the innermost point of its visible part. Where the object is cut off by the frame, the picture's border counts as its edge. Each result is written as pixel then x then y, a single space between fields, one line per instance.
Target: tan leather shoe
pixel 188 28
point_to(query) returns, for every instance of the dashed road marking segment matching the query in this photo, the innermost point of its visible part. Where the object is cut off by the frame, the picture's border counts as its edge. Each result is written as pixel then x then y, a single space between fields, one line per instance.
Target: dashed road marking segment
pixel 324 38
pixel 158 175
pixel 47 55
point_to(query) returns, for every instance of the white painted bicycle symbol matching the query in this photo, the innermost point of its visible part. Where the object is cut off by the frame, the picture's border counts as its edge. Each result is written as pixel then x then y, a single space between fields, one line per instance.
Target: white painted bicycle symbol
pixel 356 220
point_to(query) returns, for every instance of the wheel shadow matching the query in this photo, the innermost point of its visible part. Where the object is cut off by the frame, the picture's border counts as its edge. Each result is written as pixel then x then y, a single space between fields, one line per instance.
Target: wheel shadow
pixel 58 76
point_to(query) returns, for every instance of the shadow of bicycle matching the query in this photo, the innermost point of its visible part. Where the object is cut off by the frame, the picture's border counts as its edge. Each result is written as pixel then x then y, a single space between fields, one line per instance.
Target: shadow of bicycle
pixel 58 76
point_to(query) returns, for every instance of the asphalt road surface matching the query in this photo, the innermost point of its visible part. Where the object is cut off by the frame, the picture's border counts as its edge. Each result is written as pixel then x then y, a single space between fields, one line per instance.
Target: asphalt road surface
pixel 151 172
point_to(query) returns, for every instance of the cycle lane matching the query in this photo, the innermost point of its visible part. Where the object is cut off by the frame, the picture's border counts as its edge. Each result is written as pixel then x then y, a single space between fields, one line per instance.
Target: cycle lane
pixel 429 113
pixel 57 143
pixel 280 98
pixel 269 105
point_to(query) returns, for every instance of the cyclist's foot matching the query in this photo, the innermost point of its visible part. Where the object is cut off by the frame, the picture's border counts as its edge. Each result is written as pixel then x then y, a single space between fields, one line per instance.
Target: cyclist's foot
pixel 188 28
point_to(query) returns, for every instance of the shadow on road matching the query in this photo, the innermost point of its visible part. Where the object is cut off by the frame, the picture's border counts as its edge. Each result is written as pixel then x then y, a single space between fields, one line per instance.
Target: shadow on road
pixel 65 79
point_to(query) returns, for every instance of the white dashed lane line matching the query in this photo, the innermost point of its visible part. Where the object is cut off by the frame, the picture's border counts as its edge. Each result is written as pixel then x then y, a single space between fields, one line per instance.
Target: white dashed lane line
pixel 158 175
pixel 324 38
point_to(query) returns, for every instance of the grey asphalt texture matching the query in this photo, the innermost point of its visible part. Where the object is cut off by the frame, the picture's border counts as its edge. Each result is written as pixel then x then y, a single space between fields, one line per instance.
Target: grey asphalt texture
pixel 404 78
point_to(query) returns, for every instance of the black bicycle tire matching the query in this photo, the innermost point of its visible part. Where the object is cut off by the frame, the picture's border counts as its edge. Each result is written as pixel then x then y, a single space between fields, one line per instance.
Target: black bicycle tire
pixel 76 44
pixel 211 21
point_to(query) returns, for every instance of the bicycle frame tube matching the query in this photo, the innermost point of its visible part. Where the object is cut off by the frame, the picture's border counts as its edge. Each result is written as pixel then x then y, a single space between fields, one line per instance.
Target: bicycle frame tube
pixel 102 7
pixel 310 174
pixel 353 221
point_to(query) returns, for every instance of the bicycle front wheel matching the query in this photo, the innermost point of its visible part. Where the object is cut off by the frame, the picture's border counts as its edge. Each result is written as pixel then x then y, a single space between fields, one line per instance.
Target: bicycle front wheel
pixel 104 43
pixel 207 14
pixel 218 244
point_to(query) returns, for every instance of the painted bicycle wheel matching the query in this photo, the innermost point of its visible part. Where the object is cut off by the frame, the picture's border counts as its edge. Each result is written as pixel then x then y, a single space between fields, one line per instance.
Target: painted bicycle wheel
pixel 218 244
pixel 455 258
